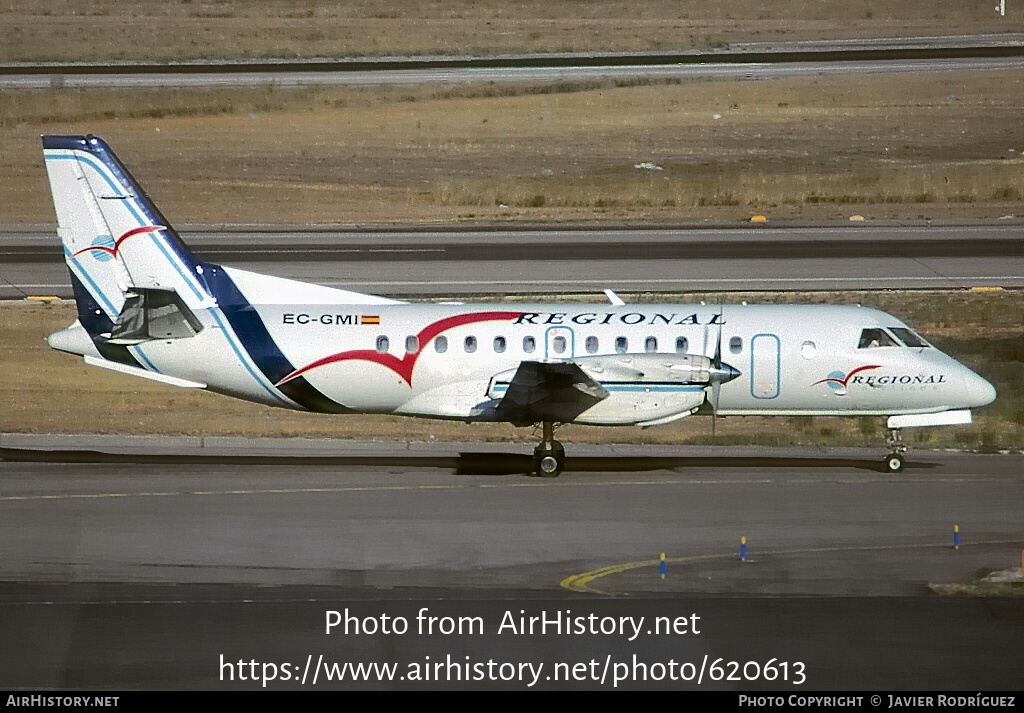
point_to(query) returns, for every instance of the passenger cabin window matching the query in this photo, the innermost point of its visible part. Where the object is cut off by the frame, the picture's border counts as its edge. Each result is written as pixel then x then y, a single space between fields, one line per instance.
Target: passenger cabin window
pixel 592 345
pixel 529 344
pixel 412 344
pixel 382 344
pixel 874 337
pixel 558 345
pixel 470 345
pixel 651 344
pixel 736 345
pixel 621 345
pixel 441 345
pixel 682 345
pixel 499 344
pixel 908 337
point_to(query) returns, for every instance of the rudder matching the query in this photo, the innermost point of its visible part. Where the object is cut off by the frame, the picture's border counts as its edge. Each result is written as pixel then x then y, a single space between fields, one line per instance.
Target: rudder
pixel 114 237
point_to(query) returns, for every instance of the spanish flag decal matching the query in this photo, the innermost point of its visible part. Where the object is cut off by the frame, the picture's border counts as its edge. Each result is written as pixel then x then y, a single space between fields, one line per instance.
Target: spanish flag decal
pixel 370 319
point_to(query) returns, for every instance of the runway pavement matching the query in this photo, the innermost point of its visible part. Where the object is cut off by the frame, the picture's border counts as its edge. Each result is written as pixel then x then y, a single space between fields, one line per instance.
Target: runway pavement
pixel 167 562
pixel 460 75
pixel 545 260
pixel 459 515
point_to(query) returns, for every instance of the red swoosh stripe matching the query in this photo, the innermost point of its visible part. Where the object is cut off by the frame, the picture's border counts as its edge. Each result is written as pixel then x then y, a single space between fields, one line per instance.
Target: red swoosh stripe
pixel 404 366
pixel 117 243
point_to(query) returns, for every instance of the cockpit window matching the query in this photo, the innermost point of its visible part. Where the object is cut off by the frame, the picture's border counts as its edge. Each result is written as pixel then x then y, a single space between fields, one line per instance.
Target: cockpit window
pixel 875 337
pixel 909 337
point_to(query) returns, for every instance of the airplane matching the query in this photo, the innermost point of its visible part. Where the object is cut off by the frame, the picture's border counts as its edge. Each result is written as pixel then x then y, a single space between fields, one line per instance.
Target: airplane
pixel 148 307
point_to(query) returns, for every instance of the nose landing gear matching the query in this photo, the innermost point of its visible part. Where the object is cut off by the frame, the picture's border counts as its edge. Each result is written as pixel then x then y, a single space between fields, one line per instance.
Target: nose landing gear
pixel 549 456
pixel 894 462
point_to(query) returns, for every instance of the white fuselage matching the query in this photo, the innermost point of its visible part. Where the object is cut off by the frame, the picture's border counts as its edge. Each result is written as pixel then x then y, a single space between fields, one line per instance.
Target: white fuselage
pixel 148 306
pixel 447 361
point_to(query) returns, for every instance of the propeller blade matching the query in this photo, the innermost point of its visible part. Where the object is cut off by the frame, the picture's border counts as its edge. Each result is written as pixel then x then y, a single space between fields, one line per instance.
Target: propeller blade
pixel 719 375
pixel 716 388
pixel 717 361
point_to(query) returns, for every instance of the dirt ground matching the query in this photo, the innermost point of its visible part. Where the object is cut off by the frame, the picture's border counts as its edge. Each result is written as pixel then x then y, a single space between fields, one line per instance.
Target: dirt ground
pixel 76 30
pixel 45 391
pixel 900 146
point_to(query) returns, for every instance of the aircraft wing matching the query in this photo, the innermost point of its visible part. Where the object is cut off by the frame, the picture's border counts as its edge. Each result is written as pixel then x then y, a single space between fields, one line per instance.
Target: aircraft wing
pixel 543 391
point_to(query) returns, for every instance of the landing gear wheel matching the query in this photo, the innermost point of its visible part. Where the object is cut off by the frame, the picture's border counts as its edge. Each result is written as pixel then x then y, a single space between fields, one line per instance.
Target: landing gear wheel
pixel 894 463
pixel 549 459
pixel 548 467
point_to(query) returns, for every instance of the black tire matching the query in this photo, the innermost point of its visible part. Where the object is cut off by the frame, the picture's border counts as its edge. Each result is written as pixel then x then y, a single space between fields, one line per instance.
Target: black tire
pixel 894 463
pixel 548 466
pixel 549 460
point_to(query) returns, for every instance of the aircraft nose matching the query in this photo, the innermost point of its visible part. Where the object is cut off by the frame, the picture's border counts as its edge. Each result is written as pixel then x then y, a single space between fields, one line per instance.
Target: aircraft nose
pixel 979 392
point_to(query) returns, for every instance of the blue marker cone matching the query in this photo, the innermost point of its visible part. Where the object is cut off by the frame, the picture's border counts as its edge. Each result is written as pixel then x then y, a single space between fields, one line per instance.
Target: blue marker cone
pixel 956 537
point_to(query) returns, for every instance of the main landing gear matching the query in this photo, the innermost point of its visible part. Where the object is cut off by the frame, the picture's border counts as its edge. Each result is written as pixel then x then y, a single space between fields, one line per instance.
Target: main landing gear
pixel 549 456
pixel 897 451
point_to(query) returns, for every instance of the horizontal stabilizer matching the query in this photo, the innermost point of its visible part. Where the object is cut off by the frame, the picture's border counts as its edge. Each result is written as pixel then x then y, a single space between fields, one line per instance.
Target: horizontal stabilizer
pixel 542 391
pixel 151 375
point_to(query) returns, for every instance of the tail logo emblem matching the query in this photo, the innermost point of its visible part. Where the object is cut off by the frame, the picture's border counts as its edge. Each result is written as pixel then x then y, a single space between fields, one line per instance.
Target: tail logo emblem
pixel 104 248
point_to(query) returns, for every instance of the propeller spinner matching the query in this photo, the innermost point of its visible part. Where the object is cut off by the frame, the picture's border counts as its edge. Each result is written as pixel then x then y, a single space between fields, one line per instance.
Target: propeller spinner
pixel 720 373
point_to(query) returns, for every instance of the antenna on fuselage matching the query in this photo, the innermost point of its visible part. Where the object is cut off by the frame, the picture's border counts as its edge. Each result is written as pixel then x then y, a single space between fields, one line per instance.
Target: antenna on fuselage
pixel 614 298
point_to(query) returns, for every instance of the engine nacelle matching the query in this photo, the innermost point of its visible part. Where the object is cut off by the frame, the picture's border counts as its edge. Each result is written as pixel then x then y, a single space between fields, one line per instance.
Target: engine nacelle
pixel 647 368
pixel 642 388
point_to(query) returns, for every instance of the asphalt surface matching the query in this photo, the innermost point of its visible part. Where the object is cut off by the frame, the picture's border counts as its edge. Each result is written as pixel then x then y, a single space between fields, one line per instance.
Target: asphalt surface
pixel 459 262
pixel 1001 44
pixel 751 71
pixel 464 515
pixel 145 570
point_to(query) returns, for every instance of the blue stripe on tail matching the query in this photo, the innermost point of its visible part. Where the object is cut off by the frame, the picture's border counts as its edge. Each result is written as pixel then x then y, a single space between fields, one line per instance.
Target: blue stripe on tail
pixel 151 214
pixel 96 323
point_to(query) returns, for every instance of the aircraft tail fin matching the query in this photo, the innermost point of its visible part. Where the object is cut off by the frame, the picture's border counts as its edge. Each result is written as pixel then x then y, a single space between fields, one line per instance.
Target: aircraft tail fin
pixel 114 237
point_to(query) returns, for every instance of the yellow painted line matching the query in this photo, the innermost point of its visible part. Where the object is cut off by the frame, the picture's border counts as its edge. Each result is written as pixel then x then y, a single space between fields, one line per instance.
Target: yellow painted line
pixel 43 298
pixel 564 484
pixel 986 288
pixel 532 483
pixel 373 488
pixel 268 491
pixel 582 582
pixel 347 489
